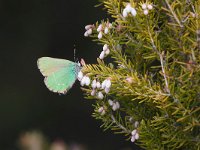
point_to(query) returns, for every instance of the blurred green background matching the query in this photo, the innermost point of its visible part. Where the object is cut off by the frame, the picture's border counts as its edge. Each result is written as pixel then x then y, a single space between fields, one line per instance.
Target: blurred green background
pixel 30 29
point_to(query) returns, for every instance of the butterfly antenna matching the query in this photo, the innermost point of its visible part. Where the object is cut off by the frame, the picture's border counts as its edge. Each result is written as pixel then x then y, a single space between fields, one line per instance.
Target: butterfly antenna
pixel 74 53
pixel 75 59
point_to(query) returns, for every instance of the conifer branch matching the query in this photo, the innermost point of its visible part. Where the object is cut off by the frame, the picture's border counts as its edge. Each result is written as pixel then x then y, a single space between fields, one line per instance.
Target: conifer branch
pixel 119 125
pixel 192 5
pixel 197 18
pixel 161 60
pixel 198 40
pixel 153 77
pixel 164 74
pixel 174 14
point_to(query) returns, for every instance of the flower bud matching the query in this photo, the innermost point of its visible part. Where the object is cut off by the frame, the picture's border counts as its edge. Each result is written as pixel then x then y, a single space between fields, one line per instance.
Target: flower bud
pixel 102 55
pixel 94 84
pixel 110 102
pixel 100 95
pixel 87 27
pixel 107 52
pixel 134 132
pixel 117 105
pixel 103 112
pixel 150 7
pixel 133 139
pixel 100 109
pixel 105 47
pixel 128 8
pixel 125 13
pixel 86 34
pixel 100 35
pixel 98 85
pixel 83 81
pixel 108 83
pixel 133 12
pixel 80 75
pixel 87 81
pixel 106 30
pixel 114 107
pixel 136 124
pixel 93 92
pixel 99 28
pixel 89 31
pixel 146 12
pixel 110 25
pixel 103 85
pixel 144 6
pixel 131 119
pixel 129 80
pixel 107 90
pixel 136 136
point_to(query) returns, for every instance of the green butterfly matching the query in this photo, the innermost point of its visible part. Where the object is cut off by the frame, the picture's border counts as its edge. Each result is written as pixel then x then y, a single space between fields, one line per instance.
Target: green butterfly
pixel 60 74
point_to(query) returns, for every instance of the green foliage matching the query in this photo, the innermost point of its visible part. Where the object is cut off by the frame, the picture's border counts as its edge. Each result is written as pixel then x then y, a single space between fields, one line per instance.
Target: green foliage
pixel 154 68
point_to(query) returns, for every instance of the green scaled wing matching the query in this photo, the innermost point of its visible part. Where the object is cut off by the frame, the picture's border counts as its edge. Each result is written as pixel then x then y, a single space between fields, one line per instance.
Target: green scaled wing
pixel 60 74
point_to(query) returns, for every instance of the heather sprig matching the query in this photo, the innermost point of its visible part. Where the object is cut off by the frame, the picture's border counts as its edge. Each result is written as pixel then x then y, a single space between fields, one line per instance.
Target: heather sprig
pixel 146 83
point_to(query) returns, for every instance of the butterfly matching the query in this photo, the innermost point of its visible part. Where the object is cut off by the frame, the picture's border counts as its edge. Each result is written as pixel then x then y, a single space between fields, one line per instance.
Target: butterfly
pixel 60 74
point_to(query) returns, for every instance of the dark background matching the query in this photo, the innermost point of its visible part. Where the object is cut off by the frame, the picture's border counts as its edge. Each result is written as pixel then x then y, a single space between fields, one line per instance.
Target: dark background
pixel 30 29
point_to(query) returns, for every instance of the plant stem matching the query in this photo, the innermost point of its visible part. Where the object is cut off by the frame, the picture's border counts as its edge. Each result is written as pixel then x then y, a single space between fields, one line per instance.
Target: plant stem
pixel 119 125
pixel 174 14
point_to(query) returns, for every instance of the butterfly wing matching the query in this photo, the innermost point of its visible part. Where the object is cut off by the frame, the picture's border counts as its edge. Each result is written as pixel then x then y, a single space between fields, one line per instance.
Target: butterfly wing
pixel 60 74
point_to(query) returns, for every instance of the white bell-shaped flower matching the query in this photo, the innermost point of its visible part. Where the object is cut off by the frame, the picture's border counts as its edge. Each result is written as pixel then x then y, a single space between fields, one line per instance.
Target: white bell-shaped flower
pixel 136 124
pixel 133 139
pixel 100 95
pixel 128 8
pixel 105 47
pixel 80 75
pixel 107 90
pixel 149 6
pixel 144 6
pixel 100 27
pixel 102 55
pixel 87 81
pixel 103 85
pixel 108 83
pixel 94 84
pixel 134 132
pixel 107 52
pixel 106 30
pixel 83 81
pixel 100 35
pixel 87 27
pixel 98 85
pixel 102 110
pixel 136 136
pixel 89 31
pixel 93 92
pixel 133 12
pixel 124 13
pixel 146 12
pixel 110 102
pixel 86 34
